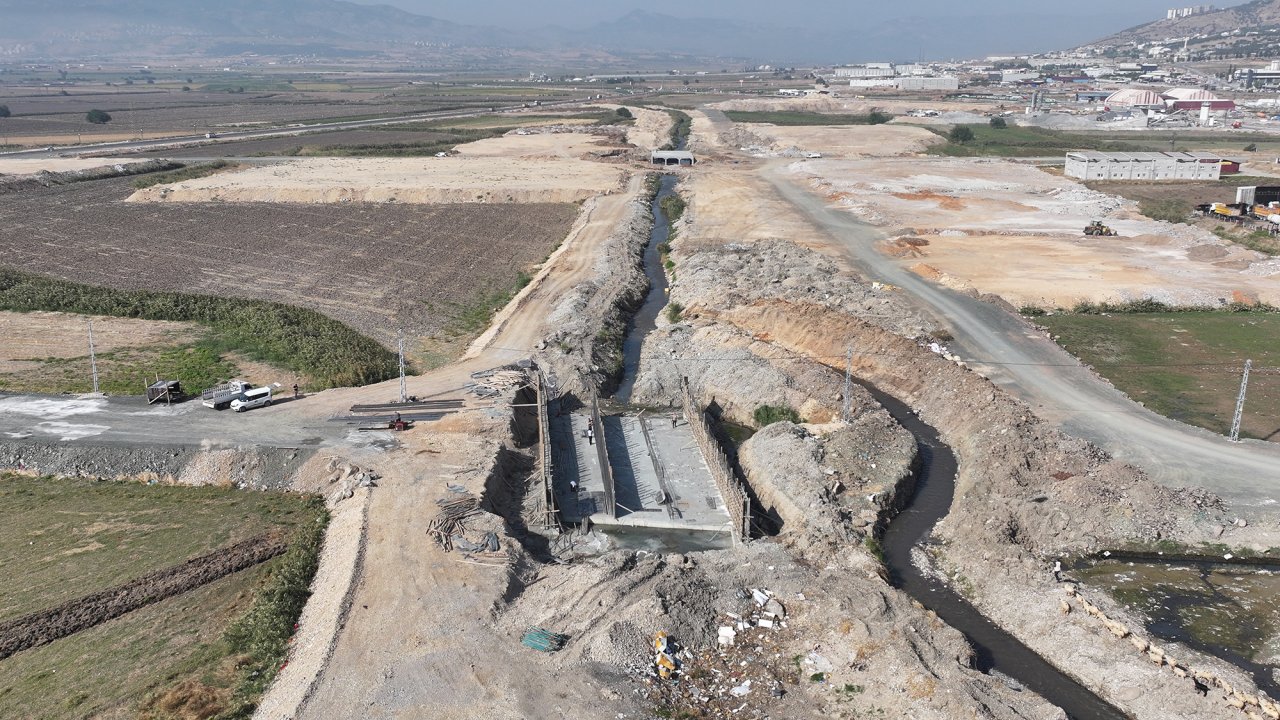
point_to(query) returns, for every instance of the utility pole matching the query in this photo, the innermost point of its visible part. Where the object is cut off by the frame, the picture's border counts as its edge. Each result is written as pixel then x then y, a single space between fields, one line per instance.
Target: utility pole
pixel 403 394
pixel 1244 385
pixel 93 358
pixel 848 383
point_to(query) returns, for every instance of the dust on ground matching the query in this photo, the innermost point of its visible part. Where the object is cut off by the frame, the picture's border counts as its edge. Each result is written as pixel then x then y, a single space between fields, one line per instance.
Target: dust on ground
pixel 30 338
pixel 1013 230
pixel 29 166
pixel 465 179
pixel 843 141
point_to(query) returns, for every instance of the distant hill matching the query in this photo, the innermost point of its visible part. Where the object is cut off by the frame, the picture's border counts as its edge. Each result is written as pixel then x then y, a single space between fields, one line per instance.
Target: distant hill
pixel 85 27
pixel 1251 27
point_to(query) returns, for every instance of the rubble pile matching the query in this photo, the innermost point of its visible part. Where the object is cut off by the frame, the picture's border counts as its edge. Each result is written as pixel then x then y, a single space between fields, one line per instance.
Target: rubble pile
pixel 744 675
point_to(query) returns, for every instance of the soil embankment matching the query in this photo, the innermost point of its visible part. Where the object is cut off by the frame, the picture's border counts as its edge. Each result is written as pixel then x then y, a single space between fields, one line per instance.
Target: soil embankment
pixel 85 612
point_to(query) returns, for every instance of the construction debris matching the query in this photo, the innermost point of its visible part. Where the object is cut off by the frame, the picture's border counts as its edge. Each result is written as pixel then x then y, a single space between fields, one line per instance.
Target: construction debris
pixel 495 382
pixel 543 640
pixel 450 522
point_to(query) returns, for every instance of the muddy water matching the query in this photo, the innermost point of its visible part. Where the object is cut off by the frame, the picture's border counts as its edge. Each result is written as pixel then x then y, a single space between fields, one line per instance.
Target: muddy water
pixel 646 317
pixel 1228 611
pixel 995 649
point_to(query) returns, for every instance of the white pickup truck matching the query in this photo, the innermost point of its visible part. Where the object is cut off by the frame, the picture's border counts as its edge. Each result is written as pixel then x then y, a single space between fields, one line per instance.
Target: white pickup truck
pixel 220 397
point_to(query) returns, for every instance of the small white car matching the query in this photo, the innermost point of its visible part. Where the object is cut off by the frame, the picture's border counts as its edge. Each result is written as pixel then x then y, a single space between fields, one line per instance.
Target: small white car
pixel 250 399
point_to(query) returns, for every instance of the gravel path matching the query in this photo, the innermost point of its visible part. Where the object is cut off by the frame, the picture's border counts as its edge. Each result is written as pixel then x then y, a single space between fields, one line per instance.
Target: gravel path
pixel 1018 358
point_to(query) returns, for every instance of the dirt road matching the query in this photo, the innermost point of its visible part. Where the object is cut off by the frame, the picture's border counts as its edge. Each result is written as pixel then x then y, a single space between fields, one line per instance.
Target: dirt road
pixel 1018 358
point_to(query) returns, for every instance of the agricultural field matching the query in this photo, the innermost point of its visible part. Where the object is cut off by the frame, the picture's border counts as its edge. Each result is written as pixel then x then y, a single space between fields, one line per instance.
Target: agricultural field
pixel 154 106
pixel 61 539
pixel 48 353
pixel 1184 365
pixel 378 267
pixel 1017 141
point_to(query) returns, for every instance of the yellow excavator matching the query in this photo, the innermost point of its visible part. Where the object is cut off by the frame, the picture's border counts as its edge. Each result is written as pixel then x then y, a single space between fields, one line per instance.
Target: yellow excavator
pixel 1097 228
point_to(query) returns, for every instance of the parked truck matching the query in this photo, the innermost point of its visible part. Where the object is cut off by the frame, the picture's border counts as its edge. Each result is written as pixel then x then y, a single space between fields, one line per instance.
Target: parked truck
pixel 220 397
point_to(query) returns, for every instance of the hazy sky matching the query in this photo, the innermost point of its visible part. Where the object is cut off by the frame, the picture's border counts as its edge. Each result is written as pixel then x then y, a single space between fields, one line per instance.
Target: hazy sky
pixel 515 14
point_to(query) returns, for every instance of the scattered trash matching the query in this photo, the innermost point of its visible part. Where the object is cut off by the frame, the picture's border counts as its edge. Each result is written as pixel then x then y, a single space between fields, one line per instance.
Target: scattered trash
pixel 543 640
pixel 726 635
pixel 741 690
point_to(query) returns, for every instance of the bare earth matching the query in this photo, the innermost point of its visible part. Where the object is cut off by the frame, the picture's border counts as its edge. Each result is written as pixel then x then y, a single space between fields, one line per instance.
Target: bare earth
pixel 846 141
pixel 1010 229
pixel 29 166
pixel 39 335
pixel 499 179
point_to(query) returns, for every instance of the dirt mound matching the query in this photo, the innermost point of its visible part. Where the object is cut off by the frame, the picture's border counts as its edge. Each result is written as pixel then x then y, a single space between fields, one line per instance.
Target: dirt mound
pixel 905 247
pixel 85 612
pixel 46 179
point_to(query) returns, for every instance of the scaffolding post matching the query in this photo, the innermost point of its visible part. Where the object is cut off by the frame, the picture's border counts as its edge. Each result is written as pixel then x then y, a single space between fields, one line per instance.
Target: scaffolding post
pixel 93 358
pixel 404 396
pixel 1244 385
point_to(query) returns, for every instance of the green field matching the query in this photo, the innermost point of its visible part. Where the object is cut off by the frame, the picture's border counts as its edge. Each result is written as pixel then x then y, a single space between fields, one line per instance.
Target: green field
pixel 1184 365
pixel 325 351
pixel 126 371
pixel 1017 141
pixel 783 117
pixel 64 538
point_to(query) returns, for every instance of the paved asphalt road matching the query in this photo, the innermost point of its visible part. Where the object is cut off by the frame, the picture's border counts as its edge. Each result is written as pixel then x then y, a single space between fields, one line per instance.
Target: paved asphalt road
pixel 130 421
pixel 1012 354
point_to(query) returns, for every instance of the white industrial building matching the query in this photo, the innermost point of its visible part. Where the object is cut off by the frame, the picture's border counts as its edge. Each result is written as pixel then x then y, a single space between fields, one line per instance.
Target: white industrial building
pixel 873 82
pixel 1091 165
pixel 865 71
pixel 929 83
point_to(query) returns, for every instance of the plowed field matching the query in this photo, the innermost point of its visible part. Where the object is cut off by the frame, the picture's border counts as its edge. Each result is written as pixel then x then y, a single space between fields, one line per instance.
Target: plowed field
pixel 378 267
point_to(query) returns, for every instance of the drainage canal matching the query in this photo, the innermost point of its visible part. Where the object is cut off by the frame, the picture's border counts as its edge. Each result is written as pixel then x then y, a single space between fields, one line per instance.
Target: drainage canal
pixel 645 319
pixel 995 649
pixel 1225 609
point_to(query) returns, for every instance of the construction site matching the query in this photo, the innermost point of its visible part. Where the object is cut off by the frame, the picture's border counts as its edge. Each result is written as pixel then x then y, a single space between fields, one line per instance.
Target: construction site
pixel 782 446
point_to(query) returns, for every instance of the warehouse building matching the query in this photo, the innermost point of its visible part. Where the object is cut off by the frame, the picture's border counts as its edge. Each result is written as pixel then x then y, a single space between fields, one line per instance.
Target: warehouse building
pixel 1091 165
pixel 929 83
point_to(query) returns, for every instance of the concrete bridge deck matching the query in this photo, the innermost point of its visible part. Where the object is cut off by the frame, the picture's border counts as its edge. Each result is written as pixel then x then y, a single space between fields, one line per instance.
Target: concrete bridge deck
pixel 660 477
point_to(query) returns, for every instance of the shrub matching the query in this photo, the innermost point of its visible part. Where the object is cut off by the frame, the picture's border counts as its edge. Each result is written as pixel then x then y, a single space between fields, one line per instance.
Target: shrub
pixel 999 123
pixel 1172 210
pixel 623 113
pixel 261 635
pixel 1031 311
pixel 1251 147
pixel 4 111
pixel 960 134
pixel 295 338
pixel 97 117
pixel 673 206
pixel 875 117
pixel 770 414
pixel 674 310
pixel 190 172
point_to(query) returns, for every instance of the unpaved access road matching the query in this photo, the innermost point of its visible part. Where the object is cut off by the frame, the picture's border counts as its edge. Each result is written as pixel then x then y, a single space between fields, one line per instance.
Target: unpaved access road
pixel 1020 359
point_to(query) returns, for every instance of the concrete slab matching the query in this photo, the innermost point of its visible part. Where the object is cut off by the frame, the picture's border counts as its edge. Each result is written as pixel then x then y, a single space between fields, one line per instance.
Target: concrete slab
pixel 575 460
pixel 661 479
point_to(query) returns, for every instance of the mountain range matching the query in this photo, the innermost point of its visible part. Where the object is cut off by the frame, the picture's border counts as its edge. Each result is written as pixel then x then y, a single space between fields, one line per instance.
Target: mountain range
pixel 63 29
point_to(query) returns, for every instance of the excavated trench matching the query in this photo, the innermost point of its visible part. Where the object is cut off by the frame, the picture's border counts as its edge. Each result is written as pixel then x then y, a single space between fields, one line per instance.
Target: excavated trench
pixel 994 648
pixel 645 318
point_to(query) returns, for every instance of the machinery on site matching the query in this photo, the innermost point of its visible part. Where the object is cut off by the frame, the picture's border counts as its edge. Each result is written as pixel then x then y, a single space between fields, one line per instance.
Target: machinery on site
pixel 1097 228
pixel 220 396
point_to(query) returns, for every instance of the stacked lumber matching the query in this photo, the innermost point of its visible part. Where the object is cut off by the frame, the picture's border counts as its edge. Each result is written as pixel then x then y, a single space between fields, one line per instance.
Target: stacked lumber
pixel 451 519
